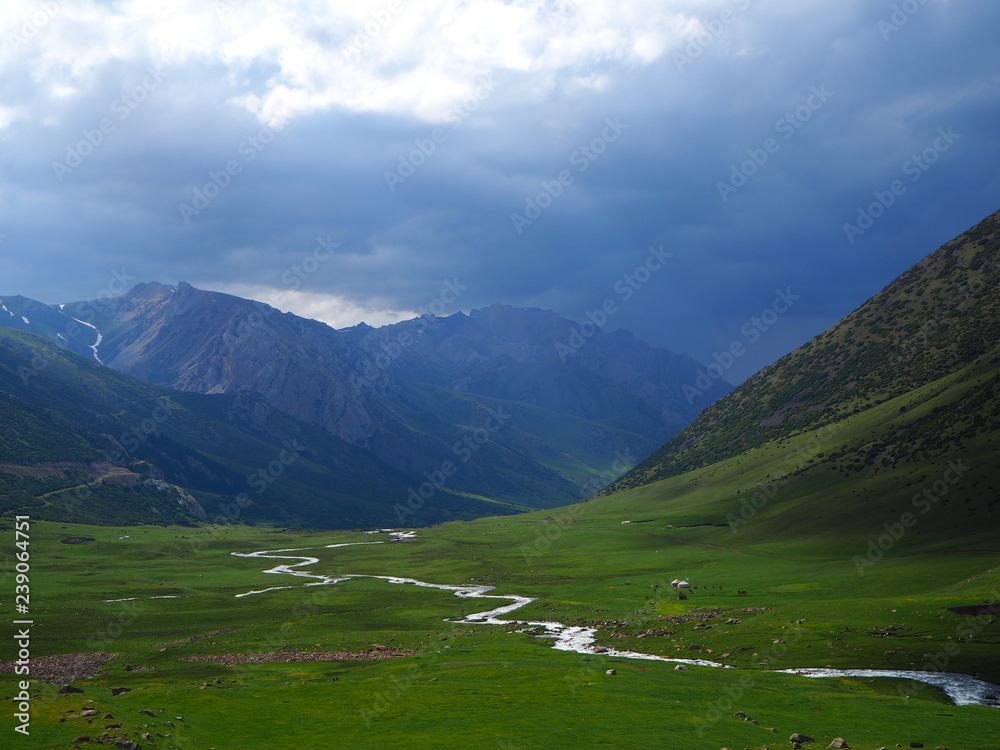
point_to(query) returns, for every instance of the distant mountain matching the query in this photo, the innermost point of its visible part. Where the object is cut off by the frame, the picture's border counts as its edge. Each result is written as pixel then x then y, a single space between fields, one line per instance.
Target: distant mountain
pixel 930 340
pixel 51 322
pixel 84 443
pixel 528 409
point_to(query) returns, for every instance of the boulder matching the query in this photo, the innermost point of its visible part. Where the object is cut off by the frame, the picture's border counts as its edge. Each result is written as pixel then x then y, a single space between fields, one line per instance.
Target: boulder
pixel 740 714
pixel 70 689
pixel 680 668
pixel 612 671
pixel 119 691
pixel 800 738
pixel 838 744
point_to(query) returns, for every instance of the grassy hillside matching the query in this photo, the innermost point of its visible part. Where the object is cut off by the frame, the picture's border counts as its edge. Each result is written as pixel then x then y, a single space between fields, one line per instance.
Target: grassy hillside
pixel 486 686
pixel 941 315
pixel 85 443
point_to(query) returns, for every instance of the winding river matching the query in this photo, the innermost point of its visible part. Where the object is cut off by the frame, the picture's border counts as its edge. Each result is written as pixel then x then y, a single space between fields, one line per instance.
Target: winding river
pixel 962 689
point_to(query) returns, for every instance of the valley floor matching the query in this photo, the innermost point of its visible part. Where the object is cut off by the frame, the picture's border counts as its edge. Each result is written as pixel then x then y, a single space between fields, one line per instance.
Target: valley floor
pixel 398 669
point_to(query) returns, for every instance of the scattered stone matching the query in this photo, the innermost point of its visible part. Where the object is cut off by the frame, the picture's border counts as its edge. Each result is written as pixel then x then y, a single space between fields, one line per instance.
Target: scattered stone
pixel 733 621
pixel 82 738
pixel 838 744
pixel 70 689
pixel 88 712
pixel 119 690
pixel 680 668
pixel 612 671
pixel 147 712
pixel 800 738
pixel 169 724
pixel 107 716
pixel 694 647
pixel 916 744
pixel 740 714
pixel 128 744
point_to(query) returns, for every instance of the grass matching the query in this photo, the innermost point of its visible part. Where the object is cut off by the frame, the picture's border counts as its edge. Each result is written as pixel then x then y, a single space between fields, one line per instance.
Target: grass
pixel 781 541
pixel 487 686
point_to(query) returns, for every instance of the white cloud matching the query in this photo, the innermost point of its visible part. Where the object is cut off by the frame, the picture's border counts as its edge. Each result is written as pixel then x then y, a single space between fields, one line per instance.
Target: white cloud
pixel 334 310
pixel 407 57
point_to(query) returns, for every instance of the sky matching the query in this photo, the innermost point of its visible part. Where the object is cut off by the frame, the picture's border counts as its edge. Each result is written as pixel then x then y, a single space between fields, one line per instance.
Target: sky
pixel 715 176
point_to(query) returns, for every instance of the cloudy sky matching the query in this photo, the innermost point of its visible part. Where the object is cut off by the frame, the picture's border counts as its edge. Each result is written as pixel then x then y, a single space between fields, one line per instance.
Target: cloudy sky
pixel 350 161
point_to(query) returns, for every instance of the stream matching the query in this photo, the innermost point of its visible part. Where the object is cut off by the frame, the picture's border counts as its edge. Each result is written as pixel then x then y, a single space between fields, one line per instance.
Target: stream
pixel 963 690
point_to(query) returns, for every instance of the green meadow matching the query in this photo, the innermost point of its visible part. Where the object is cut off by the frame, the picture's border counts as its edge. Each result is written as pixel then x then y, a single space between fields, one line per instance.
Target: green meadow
pixel 798 554
pixel 490 686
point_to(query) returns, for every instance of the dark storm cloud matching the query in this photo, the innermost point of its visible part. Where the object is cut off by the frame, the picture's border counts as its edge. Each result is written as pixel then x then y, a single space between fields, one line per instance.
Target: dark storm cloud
pixel 225 160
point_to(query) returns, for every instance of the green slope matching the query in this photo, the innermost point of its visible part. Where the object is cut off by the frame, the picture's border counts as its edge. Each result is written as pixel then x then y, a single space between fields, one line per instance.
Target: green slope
pixel 99 440
pixel 939 316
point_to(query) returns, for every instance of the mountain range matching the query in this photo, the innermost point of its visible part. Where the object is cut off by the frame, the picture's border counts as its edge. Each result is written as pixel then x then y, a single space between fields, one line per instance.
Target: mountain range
pixel 486 412
pixel 894 410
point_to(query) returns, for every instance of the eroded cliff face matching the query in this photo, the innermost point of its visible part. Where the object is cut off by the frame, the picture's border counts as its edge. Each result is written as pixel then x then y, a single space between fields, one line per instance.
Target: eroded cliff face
pixel 209 342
